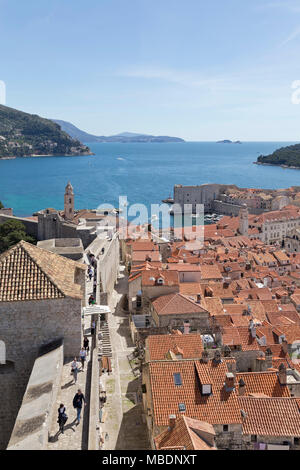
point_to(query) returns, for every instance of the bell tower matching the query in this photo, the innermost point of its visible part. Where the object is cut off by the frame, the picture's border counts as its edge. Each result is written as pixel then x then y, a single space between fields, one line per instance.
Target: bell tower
pixel 243 220
pixel 69 202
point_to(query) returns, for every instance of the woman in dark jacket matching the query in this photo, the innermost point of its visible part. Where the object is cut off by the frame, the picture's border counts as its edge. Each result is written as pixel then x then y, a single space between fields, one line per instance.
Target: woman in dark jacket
pixel 86 344
pixel 62 417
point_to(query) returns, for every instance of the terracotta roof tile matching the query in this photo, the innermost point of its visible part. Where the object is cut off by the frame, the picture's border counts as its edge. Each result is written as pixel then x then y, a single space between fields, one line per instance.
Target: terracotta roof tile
pixel 263 382
pixel 184 435
pixel 159 345
pixel 221 407
pixel 270 416
pixel 176 304
pixel 31 273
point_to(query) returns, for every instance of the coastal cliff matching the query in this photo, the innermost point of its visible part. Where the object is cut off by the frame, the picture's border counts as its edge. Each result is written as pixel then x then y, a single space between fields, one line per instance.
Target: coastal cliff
pixel 29 135
pixel 287 157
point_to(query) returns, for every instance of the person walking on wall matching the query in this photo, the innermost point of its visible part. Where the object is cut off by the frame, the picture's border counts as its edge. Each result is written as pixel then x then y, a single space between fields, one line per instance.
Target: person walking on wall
pixel 74 369
pixel 77 404
pixel 82 357
pixel 86 344
pixel 62 417
pixel 90 272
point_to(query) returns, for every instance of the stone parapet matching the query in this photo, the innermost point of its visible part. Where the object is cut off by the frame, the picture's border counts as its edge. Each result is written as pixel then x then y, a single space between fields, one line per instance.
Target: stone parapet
pixel 32 426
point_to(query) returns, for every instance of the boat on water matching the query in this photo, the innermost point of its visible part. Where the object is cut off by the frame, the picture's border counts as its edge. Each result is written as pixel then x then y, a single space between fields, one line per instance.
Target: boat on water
pixel 168 200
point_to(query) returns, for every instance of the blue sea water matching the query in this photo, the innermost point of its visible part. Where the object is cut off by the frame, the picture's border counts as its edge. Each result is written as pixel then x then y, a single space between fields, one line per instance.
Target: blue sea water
pixel 145 173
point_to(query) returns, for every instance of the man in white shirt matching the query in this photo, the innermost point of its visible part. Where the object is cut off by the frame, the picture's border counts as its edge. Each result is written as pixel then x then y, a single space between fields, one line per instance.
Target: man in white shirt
pixel 82 357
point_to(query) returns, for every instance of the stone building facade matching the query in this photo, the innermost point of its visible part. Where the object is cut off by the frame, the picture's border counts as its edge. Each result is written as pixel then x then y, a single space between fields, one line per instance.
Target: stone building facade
pixel 203 194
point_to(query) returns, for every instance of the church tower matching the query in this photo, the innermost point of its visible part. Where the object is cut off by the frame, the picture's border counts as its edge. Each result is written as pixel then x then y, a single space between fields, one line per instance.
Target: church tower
pixel 69 202
pixel 243 220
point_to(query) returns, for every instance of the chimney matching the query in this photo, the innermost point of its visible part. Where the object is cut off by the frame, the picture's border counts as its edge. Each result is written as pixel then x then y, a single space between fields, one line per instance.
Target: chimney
pixel 282 376
pixel 225 285
pixel 172 420
pixel 242 388
pixel 252 328
pixel 186 327
pixel 217 357
pixel 261 362
pixel 227 351
pixel 284 346
pixel 231 366
pixel 229 382
pixel 204 356
pixel 268 357
pixel 218 335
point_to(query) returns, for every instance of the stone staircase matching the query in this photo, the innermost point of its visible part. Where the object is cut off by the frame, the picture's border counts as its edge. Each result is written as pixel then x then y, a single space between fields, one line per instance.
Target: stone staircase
pixel 104 343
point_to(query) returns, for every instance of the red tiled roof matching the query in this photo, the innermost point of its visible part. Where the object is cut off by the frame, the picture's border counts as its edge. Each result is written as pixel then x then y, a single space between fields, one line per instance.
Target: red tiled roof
pixel 149 278
pixel 143 245
pixel 31 273
pixel 159 345
pixel 221 407
pixel 240 336
pixel 175 304
pixel 270 416
pixel 263 382
pixel 184 435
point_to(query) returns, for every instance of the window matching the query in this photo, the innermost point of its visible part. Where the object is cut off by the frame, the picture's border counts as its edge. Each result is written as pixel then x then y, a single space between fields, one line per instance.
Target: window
pixel 177 378
pixel 253 438
pixel 296 441
pixel 181 407
pixel 225 427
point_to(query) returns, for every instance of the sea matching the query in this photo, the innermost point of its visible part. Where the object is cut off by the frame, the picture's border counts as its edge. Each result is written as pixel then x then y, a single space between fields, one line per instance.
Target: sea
pixel 143 172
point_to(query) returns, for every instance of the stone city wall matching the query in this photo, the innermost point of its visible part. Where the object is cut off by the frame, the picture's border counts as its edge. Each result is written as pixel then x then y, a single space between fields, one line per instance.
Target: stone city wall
pixel 32 426
pixel 30 225
pixel 24 328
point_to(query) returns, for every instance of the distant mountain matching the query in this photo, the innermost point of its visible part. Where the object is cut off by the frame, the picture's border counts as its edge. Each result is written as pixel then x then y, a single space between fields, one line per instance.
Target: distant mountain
pixel 124 137
pixel 285 156
pixel 25 135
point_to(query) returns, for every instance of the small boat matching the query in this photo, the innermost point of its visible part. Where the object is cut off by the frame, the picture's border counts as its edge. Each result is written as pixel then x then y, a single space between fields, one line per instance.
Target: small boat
pixel 168 200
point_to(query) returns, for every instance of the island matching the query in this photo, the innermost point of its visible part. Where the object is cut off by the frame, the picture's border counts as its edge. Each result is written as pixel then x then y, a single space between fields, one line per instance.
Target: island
pixel 124 137
pixel 286 157
pixel 29 135
pixel 226 141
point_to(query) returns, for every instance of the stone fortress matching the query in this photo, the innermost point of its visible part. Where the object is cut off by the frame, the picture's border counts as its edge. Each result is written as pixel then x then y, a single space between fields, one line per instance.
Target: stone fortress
pixel 228 199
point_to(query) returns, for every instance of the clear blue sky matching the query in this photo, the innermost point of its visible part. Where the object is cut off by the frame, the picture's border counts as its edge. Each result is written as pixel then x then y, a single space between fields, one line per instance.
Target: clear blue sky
pixel 201 70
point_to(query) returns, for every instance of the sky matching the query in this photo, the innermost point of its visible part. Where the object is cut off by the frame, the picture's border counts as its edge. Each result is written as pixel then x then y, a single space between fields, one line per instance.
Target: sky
pixel 200 70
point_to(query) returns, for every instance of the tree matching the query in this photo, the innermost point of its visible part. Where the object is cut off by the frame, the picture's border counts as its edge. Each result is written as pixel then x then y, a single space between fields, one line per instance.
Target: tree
pixel 1 205
pixel 11 233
